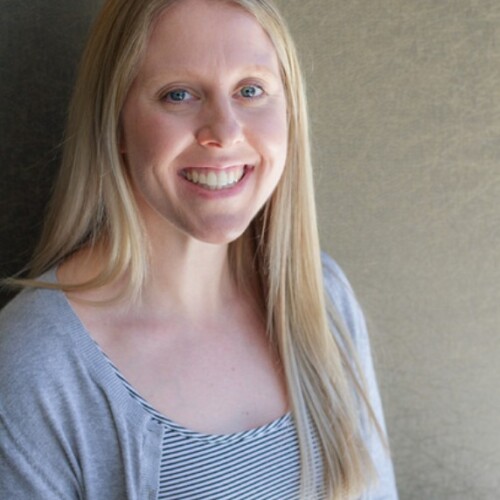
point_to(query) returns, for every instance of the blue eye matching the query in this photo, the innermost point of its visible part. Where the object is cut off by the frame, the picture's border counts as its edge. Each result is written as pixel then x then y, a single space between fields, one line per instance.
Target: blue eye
pixel 251 91
pixel 177 95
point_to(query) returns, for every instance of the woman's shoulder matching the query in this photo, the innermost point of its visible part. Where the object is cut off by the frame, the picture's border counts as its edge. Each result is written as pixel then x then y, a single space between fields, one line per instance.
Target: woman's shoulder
pixel 38 342
pixel 33 324
pixel 340 293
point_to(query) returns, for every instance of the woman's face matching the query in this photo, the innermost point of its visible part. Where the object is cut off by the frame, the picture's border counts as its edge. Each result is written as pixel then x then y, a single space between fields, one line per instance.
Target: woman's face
pixel 205 122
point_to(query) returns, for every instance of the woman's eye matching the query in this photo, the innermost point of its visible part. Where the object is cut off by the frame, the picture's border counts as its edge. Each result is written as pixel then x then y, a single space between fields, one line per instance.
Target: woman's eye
pixel 251 91
pixel 177 95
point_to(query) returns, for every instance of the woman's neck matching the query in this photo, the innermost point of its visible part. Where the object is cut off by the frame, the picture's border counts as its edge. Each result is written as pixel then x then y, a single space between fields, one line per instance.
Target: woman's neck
pixel 187 276
pixel 190 276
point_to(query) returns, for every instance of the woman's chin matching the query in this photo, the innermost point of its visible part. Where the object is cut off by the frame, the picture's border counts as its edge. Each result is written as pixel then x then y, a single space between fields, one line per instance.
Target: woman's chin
pixel 220 237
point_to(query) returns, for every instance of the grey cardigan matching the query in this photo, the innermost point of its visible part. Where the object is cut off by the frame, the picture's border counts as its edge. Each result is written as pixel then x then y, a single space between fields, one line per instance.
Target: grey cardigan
pixel 70 430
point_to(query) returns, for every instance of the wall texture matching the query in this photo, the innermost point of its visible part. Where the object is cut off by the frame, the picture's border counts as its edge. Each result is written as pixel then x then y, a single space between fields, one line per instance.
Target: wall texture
pixel 405 100
pixel 40 44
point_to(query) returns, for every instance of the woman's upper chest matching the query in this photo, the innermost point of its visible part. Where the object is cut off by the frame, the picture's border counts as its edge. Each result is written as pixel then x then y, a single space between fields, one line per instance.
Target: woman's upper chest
pixel 216 376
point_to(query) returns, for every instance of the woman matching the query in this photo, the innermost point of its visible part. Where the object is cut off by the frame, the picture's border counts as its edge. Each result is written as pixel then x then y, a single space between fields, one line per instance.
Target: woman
pixel 175 340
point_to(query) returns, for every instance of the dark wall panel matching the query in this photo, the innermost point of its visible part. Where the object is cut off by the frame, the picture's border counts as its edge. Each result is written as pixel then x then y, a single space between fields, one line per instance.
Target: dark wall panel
pixel 40 44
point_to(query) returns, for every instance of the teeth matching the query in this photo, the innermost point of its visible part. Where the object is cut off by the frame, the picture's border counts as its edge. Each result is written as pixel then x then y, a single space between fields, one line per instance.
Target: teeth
pixel 215 180
pixel 222 180
pixel 212 180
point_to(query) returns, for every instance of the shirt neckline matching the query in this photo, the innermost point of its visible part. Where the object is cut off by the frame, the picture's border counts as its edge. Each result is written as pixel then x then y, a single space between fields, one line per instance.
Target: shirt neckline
pixel 117 384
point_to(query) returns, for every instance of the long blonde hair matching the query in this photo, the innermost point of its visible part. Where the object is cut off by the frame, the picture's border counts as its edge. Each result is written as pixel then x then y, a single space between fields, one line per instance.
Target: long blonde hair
pixel 93 203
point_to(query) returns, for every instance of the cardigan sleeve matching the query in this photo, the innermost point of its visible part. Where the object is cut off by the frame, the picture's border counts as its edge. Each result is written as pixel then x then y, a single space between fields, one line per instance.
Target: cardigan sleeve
pixel 29 473
pixel 35 457
pixel 341 294
pixel 68 427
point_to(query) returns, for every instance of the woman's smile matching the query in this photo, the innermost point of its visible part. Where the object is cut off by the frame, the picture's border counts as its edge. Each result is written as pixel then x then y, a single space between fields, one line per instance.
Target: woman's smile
pixel 216 179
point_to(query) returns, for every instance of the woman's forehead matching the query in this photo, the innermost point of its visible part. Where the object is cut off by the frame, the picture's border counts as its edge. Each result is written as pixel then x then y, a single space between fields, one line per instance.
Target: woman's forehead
pixel 198 33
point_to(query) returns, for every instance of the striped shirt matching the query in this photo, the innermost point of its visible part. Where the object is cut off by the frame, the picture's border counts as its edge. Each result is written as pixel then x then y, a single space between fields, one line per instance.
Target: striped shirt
pixel 257 464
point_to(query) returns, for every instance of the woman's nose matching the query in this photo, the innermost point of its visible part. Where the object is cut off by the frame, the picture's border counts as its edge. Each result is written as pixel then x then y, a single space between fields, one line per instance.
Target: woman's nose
pixel 220 127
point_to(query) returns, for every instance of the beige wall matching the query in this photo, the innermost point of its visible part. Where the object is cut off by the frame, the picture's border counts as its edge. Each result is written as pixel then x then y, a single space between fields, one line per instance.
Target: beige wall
pixel 405 99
